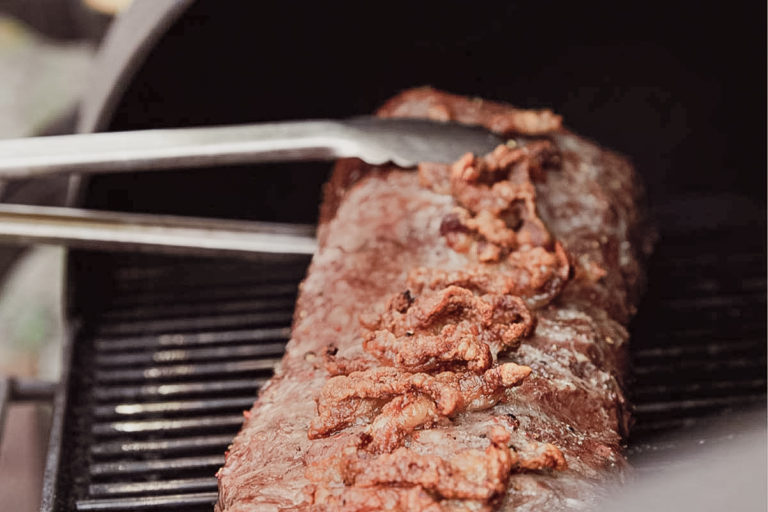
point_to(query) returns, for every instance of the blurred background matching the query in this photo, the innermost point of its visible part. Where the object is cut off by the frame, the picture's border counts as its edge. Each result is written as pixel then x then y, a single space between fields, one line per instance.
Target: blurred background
pixel 680 90
pixel 46 51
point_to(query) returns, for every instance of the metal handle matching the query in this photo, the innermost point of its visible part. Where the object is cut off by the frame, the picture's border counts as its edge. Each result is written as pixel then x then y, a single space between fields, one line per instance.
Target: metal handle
pixel 151 233
pixel 404 142
pixel 175 148
pixel 17 389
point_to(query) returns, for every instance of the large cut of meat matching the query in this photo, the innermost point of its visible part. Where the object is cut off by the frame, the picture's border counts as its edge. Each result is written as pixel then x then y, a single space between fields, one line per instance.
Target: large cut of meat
pixel 460 340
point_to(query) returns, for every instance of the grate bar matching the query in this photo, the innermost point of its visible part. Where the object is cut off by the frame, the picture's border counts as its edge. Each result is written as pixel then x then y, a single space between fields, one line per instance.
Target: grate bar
pixel 136 409
pixel 645 392
pixel 166 445
pixel 165 425
pixel 147 466
pixel 178 501
pixel 240 290
pixel 198 354
pixel 647 428
pixel 104 393
pixel 195 324
pixel 181 310
pixel 676 443
pixel 712 349
pixel 210 272
pixel 145 267
pixel 188 282
pixel 186 370
pixel 718 301
pixel 704 285
pixel 160 487
pixel 684 261
pixel 685 406
pixel 702 367
pixel 683 334
pixel 186 339
pixel 721 321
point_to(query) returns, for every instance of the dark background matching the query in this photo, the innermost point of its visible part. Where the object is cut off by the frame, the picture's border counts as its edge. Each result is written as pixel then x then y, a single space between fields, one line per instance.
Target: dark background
pixel 678 87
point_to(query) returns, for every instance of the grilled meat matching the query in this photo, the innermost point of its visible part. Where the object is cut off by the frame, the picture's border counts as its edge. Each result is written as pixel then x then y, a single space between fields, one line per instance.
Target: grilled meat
pixel 460 340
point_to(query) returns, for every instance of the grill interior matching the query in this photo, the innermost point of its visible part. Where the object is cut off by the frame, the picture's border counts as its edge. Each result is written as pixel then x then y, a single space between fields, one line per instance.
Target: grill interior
pixel 698 342
pixel 162 373
pixel 177 348
pixel 167 352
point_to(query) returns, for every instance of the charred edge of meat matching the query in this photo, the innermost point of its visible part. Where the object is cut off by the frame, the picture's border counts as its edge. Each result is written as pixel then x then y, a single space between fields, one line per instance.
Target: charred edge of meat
pixel 428 103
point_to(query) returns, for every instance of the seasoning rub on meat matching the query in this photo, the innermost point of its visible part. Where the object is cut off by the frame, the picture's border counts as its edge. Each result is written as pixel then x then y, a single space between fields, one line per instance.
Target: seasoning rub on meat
pixel 459 343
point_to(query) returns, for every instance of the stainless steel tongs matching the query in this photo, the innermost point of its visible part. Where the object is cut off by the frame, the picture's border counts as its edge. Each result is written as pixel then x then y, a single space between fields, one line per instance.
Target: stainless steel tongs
pixel 404 142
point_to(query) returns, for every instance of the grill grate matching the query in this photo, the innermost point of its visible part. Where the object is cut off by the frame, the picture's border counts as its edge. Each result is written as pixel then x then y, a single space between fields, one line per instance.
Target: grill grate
pixel 163 370
pixel 698 341
pixel 162 374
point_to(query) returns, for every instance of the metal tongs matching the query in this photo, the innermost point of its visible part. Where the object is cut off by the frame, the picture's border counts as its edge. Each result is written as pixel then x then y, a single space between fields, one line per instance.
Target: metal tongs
pixel 403 142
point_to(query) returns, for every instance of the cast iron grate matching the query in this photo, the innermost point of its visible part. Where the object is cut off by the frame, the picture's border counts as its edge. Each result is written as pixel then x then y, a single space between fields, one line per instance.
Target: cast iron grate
pixel 161 375
pixel 699 340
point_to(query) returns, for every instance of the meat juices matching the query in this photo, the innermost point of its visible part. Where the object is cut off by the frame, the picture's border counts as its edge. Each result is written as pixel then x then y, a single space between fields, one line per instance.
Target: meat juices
pixel 459 342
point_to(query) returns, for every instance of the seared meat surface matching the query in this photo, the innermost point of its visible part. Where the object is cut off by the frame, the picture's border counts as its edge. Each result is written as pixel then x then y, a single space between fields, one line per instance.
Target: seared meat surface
pixel 460 340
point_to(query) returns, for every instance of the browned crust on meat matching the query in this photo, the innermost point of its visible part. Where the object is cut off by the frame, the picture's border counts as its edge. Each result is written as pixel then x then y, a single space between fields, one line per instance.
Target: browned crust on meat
pixel 429 103
pixel 437 350
pixel 490 347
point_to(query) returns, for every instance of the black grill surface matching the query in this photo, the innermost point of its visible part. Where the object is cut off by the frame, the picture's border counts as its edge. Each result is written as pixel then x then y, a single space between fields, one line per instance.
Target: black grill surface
pixel 161 374
pixel 698 343
pixel 165 362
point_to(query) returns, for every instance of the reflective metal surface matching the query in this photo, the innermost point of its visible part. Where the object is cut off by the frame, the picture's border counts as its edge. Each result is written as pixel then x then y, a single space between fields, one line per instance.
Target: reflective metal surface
pixel 74 227
pixel 404 142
